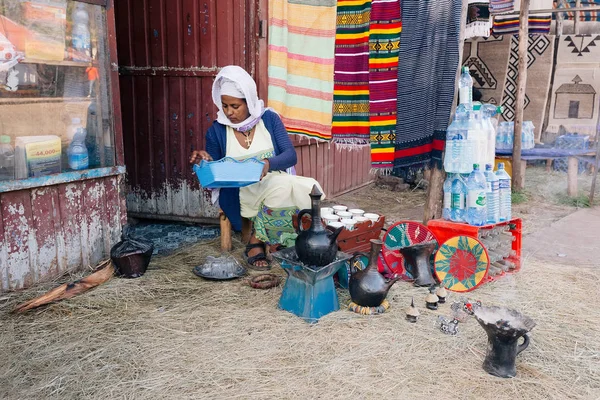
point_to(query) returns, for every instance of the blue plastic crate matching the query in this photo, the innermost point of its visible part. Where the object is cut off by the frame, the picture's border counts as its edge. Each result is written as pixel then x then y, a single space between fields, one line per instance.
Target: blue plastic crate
pixel 228 173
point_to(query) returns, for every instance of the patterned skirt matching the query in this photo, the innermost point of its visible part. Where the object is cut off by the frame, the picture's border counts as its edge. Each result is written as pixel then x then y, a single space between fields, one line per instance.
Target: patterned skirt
pixel 271 204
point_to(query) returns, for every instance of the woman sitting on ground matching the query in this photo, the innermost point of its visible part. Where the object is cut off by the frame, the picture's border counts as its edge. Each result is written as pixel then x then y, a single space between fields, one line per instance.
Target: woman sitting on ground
pixel 245 129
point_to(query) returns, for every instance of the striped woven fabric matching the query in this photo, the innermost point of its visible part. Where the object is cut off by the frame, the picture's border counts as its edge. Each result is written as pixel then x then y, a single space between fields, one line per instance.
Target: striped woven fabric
pixel 350 126
pixel 583 15
pixel 426 78
pixel 501 6
pixel 509 25
pixel 384 42
pixel 301 58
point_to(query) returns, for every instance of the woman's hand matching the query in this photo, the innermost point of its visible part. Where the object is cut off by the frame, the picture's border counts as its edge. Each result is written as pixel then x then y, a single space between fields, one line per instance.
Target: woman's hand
pixel 266 168
pixel 199 155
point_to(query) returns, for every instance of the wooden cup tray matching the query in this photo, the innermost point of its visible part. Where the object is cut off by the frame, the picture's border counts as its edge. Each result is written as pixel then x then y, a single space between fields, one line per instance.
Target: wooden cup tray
pixel 355 240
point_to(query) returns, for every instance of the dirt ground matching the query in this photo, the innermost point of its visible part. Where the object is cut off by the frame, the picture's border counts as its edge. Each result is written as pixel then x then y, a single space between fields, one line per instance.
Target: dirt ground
pixel 171 335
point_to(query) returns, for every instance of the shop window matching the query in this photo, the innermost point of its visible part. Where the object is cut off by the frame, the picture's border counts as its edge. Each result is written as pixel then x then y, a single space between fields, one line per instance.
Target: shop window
pixel 55 103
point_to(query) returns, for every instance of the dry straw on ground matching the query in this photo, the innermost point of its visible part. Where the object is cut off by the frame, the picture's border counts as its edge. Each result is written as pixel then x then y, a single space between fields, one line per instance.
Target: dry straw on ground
pixel 171 335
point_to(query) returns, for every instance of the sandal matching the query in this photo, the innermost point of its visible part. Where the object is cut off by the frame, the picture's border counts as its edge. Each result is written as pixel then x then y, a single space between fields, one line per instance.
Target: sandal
pixel 258 257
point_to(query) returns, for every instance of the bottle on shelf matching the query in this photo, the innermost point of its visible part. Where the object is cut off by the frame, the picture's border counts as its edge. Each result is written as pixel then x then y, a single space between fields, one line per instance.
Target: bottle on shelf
pixel 476 197
pixel 458 199
pixel 492 195
pixel 7 159
pixel 80 33
pixel 465 89
pixel 504 183
pixel 77 153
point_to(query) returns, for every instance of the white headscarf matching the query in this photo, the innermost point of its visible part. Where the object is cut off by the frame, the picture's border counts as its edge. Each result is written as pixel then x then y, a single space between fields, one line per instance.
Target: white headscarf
pixel 236 82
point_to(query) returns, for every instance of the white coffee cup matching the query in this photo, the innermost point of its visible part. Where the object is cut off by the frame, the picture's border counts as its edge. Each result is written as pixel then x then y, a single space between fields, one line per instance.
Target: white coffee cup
pixel 349 223
pixel 326 211
pixel 339 208
pixel 329 218
pixel 356 212
pixel 372 216
pixel 344 214
pixel 360 218
pixel 335 224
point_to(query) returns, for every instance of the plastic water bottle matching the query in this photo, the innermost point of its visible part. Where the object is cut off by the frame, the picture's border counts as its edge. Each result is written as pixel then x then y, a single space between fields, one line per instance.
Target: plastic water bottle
pixel 452 152
pixel 458 155
pixel 7 159
pixel 504 193
pixel 477 138
pixel 488 112
pixel 528 140
pixel 476 197
pixel 465 146
pixel 458 199
pixel 447 197
pixel 465 88
pixel 77 153
pixel 80 34
pixel 492 194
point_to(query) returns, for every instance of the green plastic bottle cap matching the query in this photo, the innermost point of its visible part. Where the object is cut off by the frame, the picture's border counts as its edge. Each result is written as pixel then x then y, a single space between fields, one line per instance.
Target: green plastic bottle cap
pixel 475 166
pixel 465 69
pixel 476 106
pixel 4 139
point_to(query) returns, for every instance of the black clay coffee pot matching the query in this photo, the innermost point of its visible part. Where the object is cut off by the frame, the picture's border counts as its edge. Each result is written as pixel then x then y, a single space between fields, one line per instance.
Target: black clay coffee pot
pixel 316 246
pixel 368 288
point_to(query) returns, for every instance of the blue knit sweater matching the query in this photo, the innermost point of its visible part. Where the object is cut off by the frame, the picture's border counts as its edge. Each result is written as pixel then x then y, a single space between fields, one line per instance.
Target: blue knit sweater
pixel 285 157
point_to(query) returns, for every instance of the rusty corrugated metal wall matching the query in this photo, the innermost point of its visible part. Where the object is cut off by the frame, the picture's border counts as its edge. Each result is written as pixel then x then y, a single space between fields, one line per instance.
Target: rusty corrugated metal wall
pixel 53 229
pixel 169 53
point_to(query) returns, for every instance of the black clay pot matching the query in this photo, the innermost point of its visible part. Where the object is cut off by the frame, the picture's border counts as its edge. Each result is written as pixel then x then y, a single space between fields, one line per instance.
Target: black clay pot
pixel 368 288
pixel 417 262
pixel 504 328
pixel 316 246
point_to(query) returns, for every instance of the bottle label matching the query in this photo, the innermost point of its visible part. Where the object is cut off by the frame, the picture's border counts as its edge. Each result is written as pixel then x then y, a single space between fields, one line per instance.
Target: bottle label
pixel 488 187
pixel 78 161
pixel 457 201
pixel 476 199
pixel 504 184
pixel 495 186
pixel 447 199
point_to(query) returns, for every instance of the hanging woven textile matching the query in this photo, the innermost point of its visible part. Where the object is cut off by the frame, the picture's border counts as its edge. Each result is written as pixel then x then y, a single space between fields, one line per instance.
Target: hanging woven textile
pixel 583 15
pixel 301 58
pixel 384 42
pixel 538 23
pixel 479 22
pixel 350 126
pixel 501 6
pixel 428 62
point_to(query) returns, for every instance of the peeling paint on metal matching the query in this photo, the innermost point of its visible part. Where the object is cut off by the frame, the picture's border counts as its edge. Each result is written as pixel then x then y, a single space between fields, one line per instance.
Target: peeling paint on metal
pixel 56 228
pixel 178 199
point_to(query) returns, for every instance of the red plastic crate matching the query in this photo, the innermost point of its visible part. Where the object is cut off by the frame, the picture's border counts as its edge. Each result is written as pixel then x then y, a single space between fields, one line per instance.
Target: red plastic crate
pixel 444 230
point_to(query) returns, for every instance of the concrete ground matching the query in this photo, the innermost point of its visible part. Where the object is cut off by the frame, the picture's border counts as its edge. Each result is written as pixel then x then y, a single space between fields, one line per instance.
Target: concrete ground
pixel 572 240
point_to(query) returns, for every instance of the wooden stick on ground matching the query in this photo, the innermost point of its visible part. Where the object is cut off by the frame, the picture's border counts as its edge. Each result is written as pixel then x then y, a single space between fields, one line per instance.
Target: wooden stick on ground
pixel 104 272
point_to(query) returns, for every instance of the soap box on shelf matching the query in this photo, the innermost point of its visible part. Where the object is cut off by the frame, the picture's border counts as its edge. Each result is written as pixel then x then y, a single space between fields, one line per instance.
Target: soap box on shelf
pixel 37 156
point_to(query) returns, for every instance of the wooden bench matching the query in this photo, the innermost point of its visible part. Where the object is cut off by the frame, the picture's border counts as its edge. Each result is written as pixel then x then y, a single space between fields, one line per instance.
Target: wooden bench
pixel 549 154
